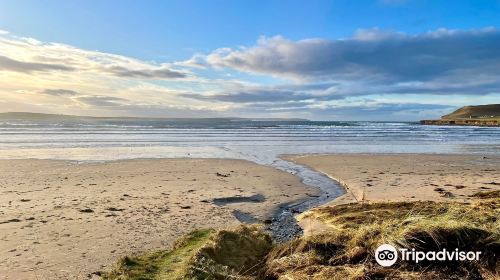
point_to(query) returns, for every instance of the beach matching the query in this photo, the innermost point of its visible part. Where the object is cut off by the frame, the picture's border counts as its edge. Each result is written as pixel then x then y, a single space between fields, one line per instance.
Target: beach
pixel 407 177
pixel 67 220
pixel 64 219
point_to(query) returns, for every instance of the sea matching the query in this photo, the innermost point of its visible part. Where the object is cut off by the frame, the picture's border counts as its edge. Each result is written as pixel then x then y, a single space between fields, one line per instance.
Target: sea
pixel 256 140
pixel 260 141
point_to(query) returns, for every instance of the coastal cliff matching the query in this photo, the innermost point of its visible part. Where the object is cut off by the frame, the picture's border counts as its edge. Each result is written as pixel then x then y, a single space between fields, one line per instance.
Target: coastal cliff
pixel 482 115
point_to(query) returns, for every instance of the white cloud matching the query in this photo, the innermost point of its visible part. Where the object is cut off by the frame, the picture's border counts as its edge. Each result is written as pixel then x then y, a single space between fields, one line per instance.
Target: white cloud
pixel 27 55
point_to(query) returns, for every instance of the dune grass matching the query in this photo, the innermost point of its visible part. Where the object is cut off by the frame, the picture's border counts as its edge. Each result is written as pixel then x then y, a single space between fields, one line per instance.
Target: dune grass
pixel 202 254
pixel 344 251
pixel 171 264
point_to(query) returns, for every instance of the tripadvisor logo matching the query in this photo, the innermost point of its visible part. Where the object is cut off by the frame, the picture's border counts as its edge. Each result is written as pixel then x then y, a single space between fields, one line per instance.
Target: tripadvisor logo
pixel 387 255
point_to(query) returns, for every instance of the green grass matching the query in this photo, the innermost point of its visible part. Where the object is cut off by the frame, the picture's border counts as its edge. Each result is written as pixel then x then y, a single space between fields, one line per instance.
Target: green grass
pixel 171 264
pixel 202 254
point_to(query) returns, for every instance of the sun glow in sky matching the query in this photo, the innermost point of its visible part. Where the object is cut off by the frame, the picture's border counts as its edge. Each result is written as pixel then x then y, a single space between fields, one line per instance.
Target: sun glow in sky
pixel 329 60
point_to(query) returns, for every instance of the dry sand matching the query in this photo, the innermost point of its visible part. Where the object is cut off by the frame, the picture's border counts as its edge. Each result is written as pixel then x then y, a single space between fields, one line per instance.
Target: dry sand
pixel 63 220
pixel 396 177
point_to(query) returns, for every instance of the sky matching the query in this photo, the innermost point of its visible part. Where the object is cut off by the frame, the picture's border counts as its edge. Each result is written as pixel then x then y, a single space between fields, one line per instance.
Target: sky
pixel 391 60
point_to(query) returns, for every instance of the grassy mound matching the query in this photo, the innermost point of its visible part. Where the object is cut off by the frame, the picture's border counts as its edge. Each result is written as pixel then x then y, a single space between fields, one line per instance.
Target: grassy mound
pixel 345 251
pixel 480 111
pixel 202 254
pixel 172 264
pixel 232 254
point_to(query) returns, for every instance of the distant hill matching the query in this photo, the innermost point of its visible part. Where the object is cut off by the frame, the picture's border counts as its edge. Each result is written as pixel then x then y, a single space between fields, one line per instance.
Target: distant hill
pixel 475 112
pixel 56 117
pixel 36 116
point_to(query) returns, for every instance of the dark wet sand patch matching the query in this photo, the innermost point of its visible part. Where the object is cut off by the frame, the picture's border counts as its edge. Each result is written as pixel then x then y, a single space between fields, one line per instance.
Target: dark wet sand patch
pixel 257 198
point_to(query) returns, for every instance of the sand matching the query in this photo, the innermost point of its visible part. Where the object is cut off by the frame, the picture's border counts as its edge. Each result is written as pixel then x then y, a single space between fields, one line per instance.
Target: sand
pixel 64 220
pixel 408 177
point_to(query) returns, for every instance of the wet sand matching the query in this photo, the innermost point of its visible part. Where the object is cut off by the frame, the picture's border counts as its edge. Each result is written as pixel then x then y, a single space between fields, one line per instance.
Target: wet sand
pixel 397 177
pixel 63 220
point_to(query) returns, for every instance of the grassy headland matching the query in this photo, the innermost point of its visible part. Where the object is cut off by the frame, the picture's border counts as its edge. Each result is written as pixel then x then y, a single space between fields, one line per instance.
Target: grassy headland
pixel 482 115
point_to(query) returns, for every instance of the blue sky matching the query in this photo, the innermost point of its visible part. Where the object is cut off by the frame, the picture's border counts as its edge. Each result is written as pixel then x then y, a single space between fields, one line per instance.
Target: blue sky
pixel 163 30
pixel 215 58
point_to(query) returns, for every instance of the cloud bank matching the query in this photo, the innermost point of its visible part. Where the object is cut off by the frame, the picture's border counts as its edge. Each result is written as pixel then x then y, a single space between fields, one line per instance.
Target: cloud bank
pixel 442 61
pixel 375 74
